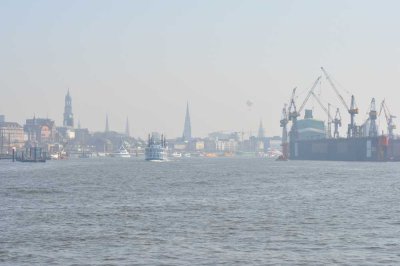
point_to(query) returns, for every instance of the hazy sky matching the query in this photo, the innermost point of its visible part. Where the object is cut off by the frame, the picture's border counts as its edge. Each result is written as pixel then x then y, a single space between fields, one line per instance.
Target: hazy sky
pixel 145 59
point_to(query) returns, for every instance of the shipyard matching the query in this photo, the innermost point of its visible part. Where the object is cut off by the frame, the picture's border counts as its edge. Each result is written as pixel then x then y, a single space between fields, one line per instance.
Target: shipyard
pixel 304 137
pixel 311 139
pixel 199 132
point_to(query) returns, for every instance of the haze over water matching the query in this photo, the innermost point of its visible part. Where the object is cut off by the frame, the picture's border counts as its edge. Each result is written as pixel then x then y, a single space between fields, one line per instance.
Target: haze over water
pixel 232 211
pixel 145 59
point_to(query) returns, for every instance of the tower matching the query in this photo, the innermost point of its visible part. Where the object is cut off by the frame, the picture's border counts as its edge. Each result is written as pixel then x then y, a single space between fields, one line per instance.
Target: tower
pixel 187 130
pixel 107 125
pixel 261 132
pixel 127 131
pixel 68 116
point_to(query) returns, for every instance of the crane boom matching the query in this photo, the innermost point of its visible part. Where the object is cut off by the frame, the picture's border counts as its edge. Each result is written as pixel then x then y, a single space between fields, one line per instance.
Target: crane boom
pixel 322 106
pixel 335 89
pixel 292 107
pixel 389 118
pixel 311 91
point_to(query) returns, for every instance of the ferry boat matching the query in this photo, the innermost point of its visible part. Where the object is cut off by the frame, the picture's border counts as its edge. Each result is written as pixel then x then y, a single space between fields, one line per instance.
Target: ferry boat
pixel 156 149
pixel 121 153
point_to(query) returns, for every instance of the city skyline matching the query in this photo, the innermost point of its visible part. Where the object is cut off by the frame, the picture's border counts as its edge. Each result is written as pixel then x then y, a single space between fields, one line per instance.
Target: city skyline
pixel 158 55
pixel 69 122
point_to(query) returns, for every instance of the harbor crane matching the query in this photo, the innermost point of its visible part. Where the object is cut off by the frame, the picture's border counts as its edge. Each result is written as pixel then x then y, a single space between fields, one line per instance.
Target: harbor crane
pixel 338 123
pixel 292 106
pixel 373 130
pixel 327 111
pixel 389 119
pixel 284 121
pixel 352 110
pixel 294 113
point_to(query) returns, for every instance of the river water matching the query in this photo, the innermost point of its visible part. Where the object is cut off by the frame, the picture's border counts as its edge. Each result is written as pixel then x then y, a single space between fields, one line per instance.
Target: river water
pixel 233 211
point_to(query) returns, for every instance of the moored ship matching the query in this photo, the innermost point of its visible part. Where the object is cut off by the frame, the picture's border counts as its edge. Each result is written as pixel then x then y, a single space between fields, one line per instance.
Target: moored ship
pixel 309 139
pixel 156 149
pixel 121 153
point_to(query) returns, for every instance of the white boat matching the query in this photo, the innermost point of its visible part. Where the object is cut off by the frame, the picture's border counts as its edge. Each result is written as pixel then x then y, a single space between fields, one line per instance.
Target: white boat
pixel 55 156
pixel 121 153
pixel 156 149
pixel 177 155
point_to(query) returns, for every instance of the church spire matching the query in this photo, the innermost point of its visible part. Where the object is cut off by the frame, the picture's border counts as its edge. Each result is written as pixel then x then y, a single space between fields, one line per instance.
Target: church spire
pixel 187 130
pixel 127 130
pixel 68 116
pixel 107 125
pixel 261 131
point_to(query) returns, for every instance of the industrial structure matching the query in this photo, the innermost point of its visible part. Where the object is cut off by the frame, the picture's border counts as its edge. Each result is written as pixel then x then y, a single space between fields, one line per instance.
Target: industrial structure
pixel 309 139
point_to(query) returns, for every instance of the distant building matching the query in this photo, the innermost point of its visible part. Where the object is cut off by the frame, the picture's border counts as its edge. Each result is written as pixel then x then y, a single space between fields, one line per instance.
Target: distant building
pixel 40 130
pixel 82 135
pixel 2 119
pixel 275 142
pixel 197 145
pixel 187 129
pixel 67 131
pixel 68 116
pixel 224 135
pixel 11 136
pixel 179 146
pixel 229 145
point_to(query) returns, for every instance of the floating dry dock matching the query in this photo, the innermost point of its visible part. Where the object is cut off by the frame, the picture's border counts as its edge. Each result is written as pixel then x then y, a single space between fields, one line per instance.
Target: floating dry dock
pixel 309 139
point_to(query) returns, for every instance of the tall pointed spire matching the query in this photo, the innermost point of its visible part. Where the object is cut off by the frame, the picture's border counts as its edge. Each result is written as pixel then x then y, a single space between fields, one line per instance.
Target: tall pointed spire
pixel 187 130
pixel 107 125
pixel 127 130
pixel 261 132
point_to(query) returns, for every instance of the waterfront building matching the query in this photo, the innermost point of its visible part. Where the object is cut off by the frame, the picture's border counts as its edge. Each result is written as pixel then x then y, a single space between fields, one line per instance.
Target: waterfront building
pixel 177 146
pixel 82 135
pixel 11 136
pixel 227 145
pixel 66 133
pixel 197 145
pixel 40 130
pixel 187 129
